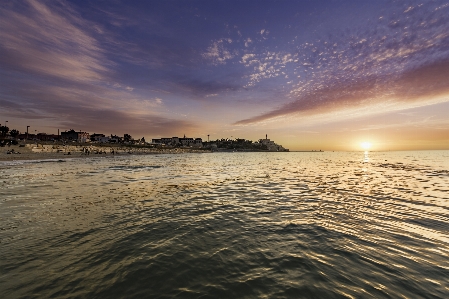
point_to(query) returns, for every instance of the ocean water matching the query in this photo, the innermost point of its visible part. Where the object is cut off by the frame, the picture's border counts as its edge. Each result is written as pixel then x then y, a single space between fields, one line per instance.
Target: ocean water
pixel 227 225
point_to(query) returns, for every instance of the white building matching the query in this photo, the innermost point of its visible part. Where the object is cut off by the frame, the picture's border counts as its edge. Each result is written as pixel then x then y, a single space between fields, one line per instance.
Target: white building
pixel 271 146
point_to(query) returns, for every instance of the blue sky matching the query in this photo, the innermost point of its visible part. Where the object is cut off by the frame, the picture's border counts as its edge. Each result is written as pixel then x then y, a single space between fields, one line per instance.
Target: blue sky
pixel 311 74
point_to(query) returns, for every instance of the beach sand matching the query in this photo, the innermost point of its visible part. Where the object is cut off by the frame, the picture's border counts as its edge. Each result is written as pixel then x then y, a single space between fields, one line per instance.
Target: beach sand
pixel 49 151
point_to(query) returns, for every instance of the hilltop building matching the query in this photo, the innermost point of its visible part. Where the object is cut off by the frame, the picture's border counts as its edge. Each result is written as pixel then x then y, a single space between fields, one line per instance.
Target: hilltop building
pixel 271 146
pixel 244 145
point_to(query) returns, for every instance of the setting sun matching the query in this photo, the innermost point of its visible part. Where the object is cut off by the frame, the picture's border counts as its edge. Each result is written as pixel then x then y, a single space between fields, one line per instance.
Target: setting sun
pixel 365 145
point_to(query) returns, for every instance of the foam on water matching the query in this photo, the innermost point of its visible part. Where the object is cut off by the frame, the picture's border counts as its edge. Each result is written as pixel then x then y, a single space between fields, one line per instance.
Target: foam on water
pixel 245 225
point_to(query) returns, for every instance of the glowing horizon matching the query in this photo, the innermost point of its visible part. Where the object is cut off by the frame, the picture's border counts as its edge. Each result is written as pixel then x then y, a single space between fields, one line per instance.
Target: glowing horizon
pixel 365 145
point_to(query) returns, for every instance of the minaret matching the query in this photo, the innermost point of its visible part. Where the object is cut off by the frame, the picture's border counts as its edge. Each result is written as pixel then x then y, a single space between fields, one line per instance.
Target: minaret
pixel 266 136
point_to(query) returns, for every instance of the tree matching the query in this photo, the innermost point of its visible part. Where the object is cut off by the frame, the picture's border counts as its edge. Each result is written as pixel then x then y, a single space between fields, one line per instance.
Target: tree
pixel 14 133
pixel 4 130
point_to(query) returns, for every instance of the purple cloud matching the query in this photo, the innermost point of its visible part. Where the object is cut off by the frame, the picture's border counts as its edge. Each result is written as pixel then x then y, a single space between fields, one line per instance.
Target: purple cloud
pixel 60 69
pixel 400 58
pixel 415 87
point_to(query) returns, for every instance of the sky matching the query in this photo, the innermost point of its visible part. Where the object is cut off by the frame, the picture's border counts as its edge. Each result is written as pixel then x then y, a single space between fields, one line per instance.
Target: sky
pixel 312 74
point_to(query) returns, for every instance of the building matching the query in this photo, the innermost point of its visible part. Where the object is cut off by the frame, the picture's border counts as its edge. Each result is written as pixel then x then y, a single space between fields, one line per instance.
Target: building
pixel 271 146
pixel 99 138
pixel 115 139
pixel 168 141
pixel 39 136
pixel 176 141
pixel 72 135
pixel 47 137
pixel 186 141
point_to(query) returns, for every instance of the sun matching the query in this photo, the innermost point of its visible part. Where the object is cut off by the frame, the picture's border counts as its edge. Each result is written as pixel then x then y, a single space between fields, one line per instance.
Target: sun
pixel 365 145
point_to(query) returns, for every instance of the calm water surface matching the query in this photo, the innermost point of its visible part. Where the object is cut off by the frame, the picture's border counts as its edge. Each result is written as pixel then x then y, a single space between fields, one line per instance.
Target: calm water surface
pixel 227 225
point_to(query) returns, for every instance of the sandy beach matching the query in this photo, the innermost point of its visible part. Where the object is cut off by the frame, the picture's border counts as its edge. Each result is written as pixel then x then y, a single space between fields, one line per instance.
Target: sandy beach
pixel 51 151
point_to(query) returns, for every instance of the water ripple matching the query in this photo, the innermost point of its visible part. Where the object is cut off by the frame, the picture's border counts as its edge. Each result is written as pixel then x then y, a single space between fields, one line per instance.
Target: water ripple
pixel 246 225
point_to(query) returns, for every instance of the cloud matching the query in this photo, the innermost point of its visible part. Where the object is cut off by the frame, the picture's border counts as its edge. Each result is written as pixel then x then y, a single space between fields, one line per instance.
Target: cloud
pixel 217 53
pixel 386 63
pixel 248 59
pixel 421 86
pixel 94 111
pixel 203 87
pixel 142 125
pixel 55 66
pixel 48 41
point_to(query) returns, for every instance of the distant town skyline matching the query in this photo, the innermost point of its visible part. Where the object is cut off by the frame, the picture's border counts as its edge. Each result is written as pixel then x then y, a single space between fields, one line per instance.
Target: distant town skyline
pixel 327 74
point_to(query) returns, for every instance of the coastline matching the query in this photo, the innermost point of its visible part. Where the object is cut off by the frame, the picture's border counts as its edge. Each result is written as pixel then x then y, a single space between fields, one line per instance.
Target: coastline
pixel 49 152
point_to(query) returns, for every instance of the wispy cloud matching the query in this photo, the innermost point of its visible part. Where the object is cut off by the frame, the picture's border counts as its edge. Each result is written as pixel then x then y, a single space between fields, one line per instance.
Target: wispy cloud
pixel 55 65
pixel 421 86
pixel 218 53
pixel 50 42
pixel 400 61
pixel 202 87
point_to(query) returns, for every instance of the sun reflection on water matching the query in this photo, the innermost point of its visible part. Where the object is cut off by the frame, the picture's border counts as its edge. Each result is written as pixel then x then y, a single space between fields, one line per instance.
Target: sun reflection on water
pixel 366 157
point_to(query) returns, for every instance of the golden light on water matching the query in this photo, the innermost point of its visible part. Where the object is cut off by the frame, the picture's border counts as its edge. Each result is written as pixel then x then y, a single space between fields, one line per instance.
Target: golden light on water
pixel 365 145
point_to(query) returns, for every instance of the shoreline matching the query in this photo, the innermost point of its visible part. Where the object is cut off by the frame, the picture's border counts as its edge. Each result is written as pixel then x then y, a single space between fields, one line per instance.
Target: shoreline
pixel 50 152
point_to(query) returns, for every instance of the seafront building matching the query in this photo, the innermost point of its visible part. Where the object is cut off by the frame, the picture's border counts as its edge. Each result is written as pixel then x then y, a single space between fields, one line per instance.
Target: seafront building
pixel 39 136
pixel 101 138
pixel 271 146
pixel 176 141
pixel 72 135
pixel 218 145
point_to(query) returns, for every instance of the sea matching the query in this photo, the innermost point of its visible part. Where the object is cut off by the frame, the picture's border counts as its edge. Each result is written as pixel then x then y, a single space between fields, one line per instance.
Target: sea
pixel 227 225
